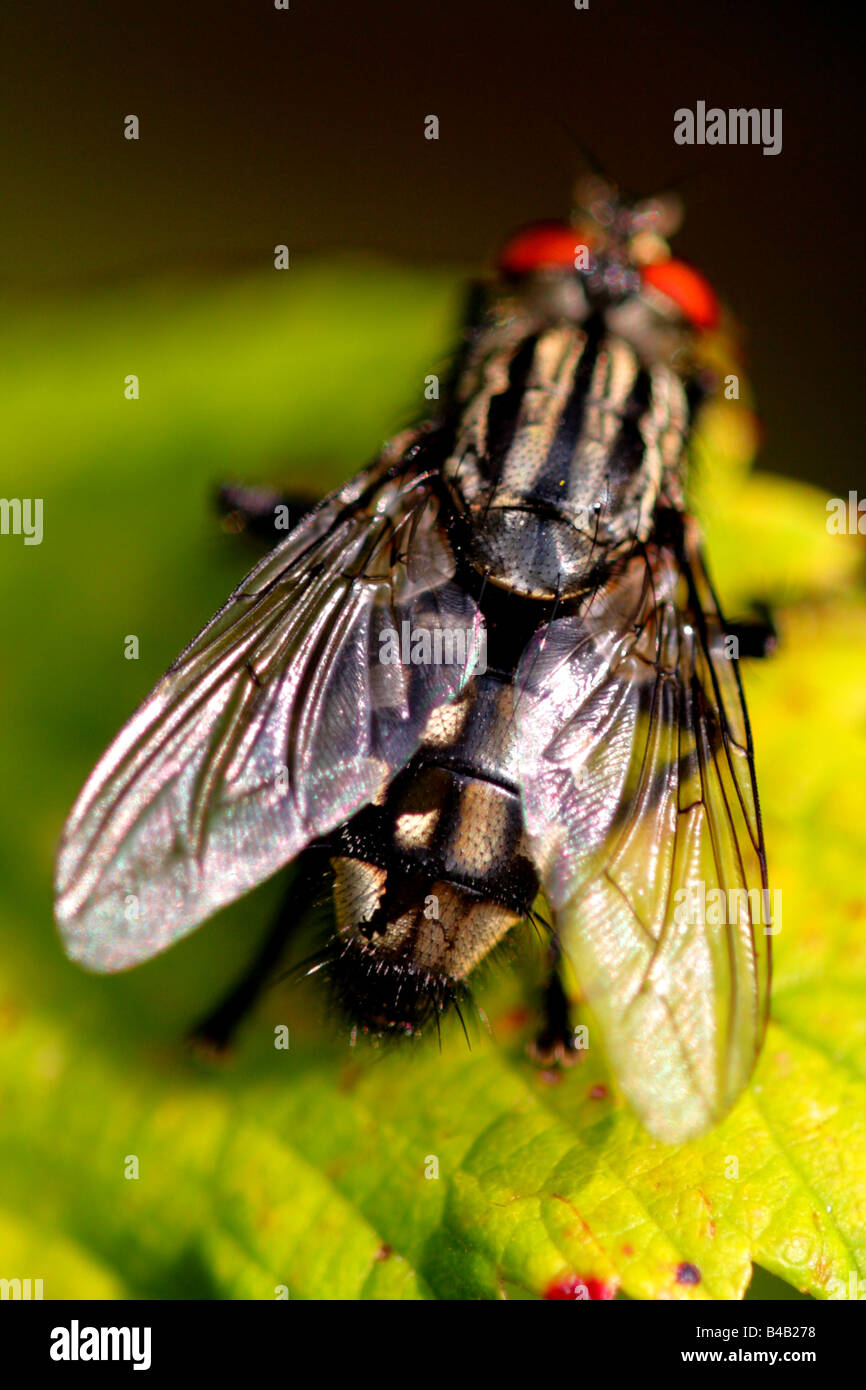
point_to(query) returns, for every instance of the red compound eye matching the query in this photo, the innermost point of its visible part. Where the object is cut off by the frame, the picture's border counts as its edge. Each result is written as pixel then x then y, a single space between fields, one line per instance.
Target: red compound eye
pixel 541 246
pixel 692 294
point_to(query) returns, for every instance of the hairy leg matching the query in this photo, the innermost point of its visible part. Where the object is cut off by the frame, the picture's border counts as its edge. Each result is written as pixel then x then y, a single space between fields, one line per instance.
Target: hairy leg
pixel 554 1042
pixel 215 1031
pixel 756 637
pixel 261 512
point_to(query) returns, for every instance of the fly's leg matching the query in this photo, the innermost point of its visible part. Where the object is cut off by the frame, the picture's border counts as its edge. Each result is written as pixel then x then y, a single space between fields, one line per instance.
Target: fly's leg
pixel 261 512
pixel 755 637
pixel 473 317
pixel 215 1031
pixel 554 1043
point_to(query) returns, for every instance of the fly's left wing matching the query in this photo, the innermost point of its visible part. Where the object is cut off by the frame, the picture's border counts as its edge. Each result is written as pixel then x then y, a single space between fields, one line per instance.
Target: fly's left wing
pixel 282 718
pixel 642 814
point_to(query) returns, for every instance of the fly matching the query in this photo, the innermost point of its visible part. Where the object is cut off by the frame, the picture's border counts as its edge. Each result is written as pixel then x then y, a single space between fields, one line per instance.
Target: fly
pixel 491 666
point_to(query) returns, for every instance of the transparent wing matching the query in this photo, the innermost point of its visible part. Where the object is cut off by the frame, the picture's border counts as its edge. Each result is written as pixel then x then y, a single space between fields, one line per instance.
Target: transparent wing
pixel 285 715
pixel 642 814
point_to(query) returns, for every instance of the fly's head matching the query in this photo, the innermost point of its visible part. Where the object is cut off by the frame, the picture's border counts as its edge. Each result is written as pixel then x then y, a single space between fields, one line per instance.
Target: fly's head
pixel 612 259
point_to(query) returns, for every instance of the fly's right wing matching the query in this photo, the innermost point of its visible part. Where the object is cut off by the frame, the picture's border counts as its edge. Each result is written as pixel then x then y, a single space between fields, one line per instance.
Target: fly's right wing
pixel 281 719
pixel 642 815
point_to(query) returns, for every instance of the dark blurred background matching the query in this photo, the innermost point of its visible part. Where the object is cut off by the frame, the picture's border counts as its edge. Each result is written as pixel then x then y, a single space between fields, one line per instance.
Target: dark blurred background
pixel 305 126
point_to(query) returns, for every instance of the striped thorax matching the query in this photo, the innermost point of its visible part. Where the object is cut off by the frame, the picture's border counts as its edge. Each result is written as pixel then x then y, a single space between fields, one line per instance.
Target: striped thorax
pixel 560 452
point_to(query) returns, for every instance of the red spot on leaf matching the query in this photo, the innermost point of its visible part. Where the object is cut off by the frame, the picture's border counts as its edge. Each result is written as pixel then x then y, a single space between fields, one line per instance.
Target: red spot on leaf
pixel 688 1274
pixel 513 1021
pixel 573 1288
pixel 598 1092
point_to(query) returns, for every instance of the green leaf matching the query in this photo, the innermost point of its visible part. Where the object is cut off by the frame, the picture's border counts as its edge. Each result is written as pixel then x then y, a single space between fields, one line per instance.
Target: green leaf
pixel 129 1168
